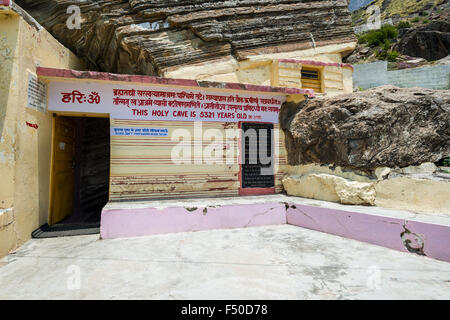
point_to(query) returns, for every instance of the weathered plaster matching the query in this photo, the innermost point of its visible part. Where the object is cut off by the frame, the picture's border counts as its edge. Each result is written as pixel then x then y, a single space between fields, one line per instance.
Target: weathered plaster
pixel 8 95
pixel 118 223
pixel 6 217
pixel 24 151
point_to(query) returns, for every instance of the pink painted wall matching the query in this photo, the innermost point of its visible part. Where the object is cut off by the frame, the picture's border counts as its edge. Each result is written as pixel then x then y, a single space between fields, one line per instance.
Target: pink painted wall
pixel 426 239
pixel 148 221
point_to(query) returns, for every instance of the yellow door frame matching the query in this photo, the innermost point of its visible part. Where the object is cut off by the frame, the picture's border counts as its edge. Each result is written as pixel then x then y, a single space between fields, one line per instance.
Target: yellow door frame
pixel 52 166
pixel 52 156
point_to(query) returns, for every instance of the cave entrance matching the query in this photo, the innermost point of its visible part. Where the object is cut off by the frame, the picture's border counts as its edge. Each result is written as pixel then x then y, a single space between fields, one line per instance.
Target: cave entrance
pixel 80 170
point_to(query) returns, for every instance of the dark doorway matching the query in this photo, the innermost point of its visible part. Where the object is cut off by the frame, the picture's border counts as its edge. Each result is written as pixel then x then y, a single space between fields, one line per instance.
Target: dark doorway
pixel 92 162
pixel 89 180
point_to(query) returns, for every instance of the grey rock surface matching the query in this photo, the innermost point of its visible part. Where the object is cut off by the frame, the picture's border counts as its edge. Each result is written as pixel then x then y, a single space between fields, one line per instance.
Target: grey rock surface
pixel 382 127
pixel 149 37
pixel 431 42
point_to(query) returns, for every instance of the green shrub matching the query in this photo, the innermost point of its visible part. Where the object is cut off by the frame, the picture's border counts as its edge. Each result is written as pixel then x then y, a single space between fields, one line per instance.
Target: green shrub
pixel 389 31
pixel 426 21
pixel 379 37
pixel 380 54
pixel 387 46
pixel 403 24
pixel 374 38
pixel 387 54
pixel 392 56
pixel 447 162
pixel 415 20
pixel 362 39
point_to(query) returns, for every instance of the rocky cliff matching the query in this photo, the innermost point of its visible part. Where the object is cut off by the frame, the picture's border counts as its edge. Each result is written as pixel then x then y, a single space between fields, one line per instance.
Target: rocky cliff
pixel 149 37
pixel 431 42
pixel 423 32
pixel 399 10
pixel 381 127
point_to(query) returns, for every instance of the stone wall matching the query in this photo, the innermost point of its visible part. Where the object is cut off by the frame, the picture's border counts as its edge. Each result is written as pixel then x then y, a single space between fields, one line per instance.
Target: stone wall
pixel 375 74
pixel 437 77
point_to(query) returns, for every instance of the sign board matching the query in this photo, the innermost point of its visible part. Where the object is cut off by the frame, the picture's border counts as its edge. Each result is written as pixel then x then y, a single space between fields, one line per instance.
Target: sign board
pixel 253 175
pixel 163 103
pixel 139 132
pixel 37 93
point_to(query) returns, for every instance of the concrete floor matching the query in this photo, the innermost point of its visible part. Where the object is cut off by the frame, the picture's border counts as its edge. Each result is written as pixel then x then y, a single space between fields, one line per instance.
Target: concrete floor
pixel 275 262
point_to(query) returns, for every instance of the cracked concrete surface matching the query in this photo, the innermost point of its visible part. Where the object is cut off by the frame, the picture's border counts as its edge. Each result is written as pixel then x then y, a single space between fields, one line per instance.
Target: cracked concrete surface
pixel 413 242
pixel 275 262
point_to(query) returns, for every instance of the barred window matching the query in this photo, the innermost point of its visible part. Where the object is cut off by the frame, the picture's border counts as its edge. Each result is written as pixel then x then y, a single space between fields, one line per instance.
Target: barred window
pixel 311 79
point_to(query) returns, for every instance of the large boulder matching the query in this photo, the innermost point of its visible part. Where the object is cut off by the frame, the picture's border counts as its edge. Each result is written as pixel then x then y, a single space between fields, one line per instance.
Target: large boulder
pixel 382 127
pixel 431 42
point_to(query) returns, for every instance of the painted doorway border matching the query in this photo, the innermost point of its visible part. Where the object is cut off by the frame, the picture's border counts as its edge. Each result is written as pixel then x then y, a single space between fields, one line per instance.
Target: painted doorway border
pixel 254 191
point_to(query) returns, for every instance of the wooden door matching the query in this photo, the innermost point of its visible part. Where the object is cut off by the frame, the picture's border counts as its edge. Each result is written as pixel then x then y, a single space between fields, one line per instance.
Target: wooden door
pixel 62 180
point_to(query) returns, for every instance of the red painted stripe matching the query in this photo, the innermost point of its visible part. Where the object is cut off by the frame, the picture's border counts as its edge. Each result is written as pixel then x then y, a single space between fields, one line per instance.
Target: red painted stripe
pixel 317 63
pixel 256 191
pixel 5 3
pixel 92 75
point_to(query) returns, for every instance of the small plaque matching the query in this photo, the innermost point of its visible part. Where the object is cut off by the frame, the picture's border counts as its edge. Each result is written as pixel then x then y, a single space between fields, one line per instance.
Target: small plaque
pixel 37 94
pixel 139 132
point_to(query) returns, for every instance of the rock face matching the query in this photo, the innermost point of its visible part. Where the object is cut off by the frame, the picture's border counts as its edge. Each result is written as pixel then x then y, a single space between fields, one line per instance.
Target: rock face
pixel 424 188
pixel 400 10
pixel 330 188
pixel 149 37
pixel 381 127
pixel 415 194
pixel 431 42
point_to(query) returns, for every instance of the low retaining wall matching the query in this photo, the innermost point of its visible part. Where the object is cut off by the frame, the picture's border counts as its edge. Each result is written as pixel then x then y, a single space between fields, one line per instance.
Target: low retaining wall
pixel 397 230
pixel 119 223
pixel 403 235
pixel 371 75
